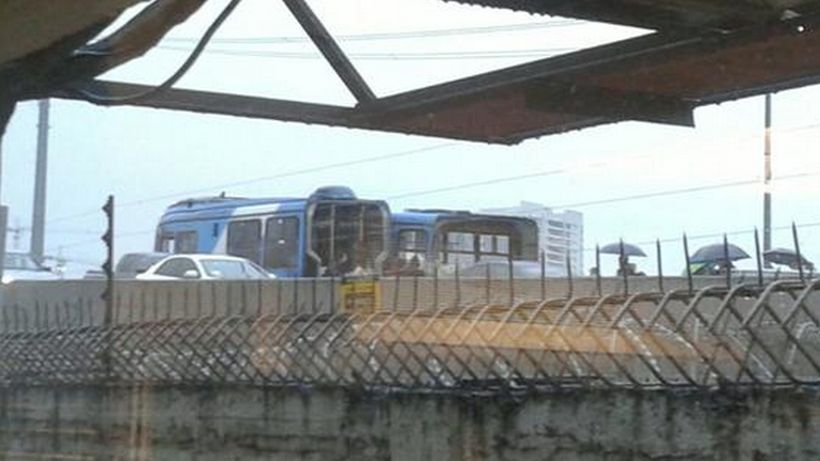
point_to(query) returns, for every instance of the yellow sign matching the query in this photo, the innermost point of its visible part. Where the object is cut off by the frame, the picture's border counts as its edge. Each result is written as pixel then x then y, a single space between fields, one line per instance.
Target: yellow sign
pixel 360 296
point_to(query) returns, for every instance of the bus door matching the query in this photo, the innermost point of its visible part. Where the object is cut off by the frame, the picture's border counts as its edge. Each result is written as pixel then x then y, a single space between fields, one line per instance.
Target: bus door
pixel 282 254
pixel 347 236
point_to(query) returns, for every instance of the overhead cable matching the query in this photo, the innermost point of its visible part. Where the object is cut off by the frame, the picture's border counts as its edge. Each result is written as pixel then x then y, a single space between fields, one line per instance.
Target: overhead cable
pixel 180 72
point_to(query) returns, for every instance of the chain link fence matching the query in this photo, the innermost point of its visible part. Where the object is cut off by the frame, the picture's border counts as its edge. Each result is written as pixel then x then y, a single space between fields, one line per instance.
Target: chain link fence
pixel 746 335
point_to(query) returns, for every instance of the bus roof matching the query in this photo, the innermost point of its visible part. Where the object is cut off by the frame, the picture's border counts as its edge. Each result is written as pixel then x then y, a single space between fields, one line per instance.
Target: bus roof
pixel 433 216
pixel 219 207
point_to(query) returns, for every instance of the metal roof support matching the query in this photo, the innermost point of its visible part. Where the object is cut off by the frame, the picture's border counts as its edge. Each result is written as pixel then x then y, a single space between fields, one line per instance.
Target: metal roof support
pixel 620 105
pixel 330 50
pixel 226 104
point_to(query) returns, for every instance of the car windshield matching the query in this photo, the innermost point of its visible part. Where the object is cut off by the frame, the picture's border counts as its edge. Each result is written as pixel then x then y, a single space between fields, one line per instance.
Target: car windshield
pixel 21 262
pixel 231 269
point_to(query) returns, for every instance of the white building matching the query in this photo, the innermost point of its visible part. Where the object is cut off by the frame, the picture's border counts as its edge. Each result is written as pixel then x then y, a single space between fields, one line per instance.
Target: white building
pixel 561 234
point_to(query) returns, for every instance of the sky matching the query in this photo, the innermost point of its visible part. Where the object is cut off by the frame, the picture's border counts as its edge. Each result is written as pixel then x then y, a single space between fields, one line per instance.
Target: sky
pixel 150 158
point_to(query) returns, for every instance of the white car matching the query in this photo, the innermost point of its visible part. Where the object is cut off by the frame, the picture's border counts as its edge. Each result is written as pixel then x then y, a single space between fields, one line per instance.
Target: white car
pixel 21 266
pixel 204 267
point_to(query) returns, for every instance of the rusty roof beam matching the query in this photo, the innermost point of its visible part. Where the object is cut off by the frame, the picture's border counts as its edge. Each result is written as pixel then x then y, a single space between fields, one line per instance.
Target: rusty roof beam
pixel 208 102
pixel 556 66
pixel 615 104
pixel 650 49
pixel 330 50
pixel 222 103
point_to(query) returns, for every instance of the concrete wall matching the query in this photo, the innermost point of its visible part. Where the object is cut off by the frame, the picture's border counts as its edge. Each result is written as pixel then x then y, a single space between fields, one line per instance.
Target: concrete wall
pixel 62 303
pixel 102 423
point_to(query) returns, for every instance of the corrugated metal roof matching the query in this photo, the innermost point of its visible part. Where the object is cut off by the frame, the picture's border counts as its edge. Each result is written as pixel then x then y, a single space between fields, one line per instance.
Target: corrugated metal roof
pixel 660 77
pixel 662 14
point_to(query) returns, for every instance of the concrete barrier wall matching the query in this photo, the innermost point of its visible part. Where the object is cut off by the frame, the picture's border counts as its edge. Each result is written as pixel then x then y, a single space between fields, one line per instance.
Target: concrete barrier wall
pixel 56 303
pixel 243 423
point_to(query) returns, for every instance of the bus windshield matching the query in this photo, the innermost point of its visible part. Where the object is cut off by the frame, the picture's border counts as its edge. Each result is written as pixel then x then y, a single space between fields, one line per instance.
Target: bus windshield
pixel 467 241
pixel 348 237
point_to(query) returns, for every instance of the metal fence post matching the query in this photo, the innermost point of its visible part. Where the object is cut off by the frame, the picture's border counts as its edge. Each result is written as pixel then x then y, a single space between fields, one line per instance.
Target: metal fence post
pixel 688 265
pixel 487 284
pixel 797 250
pixel 396 285
pixel 660 264
pixel 543 276
pixel 435 286
pixel 512 279
pixel 458 287
pixel 622 264
pixel 727 263
pixel 758 259
pixel 415 291
pixel 598 269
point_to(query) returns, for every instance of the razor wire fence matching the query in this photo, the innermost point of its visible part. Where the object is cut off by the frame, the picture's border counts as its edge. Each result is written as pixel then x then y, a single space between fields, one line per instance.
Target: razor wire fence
pixel 716 336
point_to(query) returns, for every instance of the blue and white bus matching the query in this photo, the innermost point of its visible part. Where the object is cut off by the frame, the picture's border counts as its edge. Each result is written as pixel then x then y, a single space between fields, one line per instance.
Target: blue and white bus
pixel 423 239
pixel 329 233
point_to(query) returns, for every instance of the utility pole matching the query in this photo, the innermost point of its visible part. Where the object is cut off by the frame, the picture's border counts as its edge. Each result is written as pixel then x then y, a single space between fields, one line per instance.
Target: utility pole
pixel 767 178
pixel 38 216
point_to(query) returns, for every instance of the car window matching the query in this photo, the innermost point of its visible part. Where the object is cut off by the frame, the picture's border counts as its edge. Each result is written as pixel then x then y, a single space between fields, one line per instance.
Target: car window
pixel 135 263
pixel 231 269
pixel 176 267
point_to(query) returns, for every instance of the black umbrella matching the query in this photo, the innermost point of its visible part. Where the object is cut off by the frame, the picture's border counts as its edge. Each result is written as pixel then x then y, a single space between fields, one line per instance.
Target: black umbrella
pixel 615 249
pixel 716 253
pixel 786 257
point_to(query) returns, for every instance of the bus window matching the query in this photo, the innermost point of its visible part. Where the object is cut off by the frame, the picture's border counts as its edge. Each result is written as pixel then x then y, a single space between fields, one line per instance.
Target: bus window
pixel 244 238
pixel 458 248
pixel 412 248
pixel 281 243
pixel 186 242
pixel 494 247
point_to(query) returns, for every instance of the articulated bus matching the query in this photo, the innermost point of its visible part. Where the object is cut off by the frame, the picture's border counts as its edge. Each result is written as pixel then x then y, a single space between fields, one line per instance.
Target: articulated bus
pixel 424 239
pixel 327 234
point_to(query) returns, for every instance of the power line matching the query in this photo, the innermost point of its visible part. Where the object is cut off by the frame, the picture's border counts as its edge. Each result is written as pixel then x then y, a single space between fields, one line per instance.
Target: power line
pixel 399 154
pixel 478 184
pixel 56 231
pixel 316 169
pixel 391 35
pixel 98 240
pixel 202 42
pixel 506 179
pixel 716 235
pixel 687 190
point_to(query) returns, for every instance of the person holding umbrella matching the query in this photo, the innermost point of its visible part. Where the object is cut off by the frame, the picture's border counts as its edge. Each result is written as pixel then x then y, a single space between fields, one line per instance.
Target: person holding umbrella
pixel 788 258
pixel 624 251
pixel 716 259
